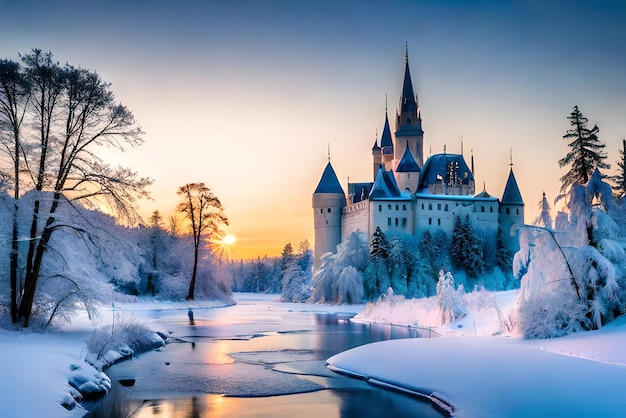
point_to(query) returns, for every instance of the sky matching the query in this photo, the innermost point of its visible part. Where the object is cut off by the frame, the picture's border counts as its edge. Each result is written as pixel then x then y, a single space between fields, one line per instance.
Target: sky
pixel 248 96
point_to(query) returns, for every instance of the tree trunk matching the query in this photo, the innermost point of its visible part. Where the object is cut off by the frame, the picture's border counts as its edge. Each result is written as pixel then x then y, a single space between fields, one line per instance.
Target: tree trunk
pixel 34 263
pixel 192 284
pixel 14 266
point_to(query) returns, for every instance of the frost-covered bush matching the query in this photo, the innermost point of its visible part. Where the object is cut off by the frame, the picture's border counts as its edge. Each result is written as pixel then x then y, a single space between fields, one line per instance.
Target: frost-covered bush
pixel 451 300
pixel 575 278
pixel 330 283
pixel 296 284
pixel 122 339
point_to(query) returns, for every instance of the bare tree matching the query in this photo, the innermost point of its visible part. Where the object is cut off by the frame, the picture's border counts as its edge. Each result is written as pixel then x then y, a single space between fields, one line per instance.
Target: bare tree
pixel 14 98
pixel 72 112
pixel 204 212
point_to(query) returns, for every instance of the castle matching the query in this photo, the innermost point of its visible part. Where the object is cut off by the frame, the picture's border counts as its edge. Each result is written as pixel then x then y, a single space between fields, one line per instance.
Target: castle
pixel 407 194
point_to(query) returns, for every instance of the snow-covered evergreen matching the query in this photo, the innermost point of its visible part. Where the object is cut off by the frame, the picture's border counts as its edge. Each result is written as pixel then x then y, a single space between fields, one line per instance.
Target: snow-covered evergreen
pixel 574 278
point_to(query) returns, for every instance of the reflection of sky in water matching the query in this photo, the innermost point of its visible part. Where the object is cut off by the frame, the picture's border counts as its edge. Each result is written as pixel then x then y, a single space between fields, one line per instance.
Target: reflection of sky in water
pixel 255 351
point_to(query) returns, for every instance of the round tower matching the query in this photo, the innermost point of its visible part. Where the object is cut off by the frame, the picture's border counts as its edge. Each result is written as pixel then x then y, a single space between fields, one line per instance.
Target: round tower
pixel 511 211
pixel 329 200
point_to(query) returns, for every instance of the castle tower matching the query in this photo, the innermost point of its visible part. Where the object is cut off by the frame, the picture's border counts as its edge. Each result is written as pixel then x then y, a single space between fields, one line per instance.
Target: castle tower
pixel 328 202
pixel 377 158
pixel 409 121
pixel 511 211
pixel 386 146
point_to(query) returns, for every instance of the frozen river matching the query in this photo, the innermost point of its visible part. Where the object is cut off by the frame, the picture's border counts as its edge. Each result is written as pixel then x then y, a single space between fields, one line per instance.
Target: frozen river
pixel 259 358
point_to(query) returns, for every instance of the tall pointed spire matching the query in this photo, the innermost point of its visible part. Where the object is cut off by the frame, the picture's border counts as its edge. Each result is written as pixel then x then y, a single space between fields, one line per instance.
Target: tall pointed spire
pixel 407 100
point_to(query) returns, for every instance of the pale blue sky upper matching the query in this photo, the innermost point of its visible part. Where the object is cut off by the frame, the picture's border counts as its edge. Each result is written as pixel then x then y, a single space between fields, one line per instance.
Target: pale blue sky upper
pixel 246 95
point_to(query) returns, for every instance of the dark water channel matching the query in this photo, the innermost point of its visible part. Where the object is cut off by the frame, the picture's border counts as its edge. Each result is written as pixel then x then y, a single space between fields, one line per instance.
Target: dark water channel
pixel 258 358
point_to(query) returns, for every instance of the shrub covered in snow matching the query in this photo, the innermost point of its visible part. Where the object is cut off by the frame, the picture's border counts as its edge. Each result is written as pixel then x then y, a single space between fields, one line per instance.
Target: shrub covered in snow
pixel 575 278
pixel 451 300
pixel 339 278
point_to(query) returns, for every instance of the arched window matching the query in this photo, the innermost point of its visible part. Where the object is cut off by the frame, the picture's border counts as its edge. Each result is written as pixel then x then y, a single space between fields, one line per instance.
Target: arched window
pixel 430 206
pixel 482 208
pixel 445 209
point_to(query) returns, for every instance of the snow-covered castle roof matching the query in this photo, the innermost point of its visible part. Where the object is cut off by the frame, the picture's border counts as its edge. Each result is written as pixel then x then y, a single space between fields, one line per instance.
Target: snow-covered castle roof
pixel 407 164
pixel 385 186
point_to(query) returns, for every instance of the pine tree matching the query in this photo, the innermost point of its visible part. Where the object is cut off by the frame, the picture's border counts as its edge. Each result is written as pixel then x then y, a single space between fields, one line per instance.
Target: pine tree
pixel 379 248
pixel 619 179
pixel 586 154
pixel 504 258
pixel 544 219
pixel 466 249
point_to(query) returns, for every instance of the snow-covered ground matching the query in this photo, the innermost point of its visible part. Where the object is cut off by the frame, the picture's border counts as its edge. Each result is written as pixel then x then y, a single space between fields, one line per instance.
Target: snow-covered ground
pixel 34 368
pixel 481 375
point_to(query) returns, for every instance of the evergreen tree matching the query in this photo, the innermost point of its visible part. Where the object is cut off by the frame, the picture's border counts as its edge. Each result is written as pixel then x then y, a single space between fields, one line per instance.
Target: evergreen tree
pixel 379 248
pixel 466 249
pixel 504 258
pixel 586 154
pixel 544 219
pixel 619 179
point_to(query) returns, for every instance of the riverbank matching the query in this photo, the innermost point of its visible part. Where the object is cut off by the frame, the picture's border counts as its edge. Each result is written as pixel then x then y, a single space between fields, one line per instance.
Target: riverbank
pixel 35 367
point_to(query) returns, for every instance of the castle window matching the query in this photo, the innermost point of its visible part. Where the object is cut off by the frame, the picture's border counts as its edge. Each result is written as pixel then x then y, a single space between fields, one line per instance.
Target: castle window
pixel 389 207
pixel 397 207
pixel 380 208
pixel 328 210
pixel 438 206
pixel 396 221
pixel 388 221
pixel 430 206
pixel 403 222
pixel 517 211
pixel 321 210
pixel 430 221
pixel 491 209
pixel 439 221
pixel 408 120
pixel 508 211
pixel 403 207
pixel 422 206
pixel 445 209
pixel 482 208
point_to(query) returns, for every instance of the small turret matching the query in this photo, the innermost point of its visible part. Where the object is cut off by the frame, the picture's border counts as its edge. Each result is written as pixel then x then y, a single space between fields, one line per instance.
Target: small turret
pixel 511 210
pixel 386 145
pixel 407 172
pixel 377 157
pixel 328 201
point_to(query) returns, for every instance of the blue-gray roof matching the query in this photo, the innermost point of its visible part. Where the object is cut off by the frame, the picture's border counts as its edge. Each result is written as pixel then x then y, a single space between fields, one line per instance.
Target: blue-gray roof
pixel 329 182
pixel 407 102
pixel 437 170
pixel 385 186
pixel 386 143
pixel 407 164
pixel 512 195
pixel 359 191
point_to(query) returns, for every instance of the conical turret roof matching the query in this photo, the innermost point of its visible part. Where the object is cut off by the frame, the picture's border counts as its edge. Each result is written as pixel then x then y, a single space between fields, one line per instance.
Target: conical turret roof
pixel 329 183
pixel 407 164
pixel 512 195
pixel 385 186
pixel 407 101
pixel 386 143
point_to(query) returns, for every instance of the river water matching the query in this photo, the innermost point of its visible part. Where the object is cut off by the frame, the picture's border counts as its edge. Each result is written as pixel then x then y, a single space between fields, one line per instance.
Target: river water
pixel 258 358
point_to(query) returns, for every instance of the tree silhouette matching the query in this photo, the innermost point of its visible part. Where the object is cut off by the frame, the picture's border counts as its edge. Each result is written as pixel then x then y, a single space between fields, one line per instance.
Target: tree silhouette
pixel 586 151
pixel 204 212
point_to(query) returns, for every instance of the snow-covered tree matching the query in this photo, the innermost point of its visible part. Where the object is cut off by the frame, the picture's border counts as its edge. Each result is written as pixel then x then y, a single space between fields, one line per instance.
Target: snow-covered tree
pixel 619 179
pixel 574 279
pixel 379 247
pixel 71 113
pixel 466 248
pixel 451 300
pixel 544 218
pixel 586 151
pixel 339 278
